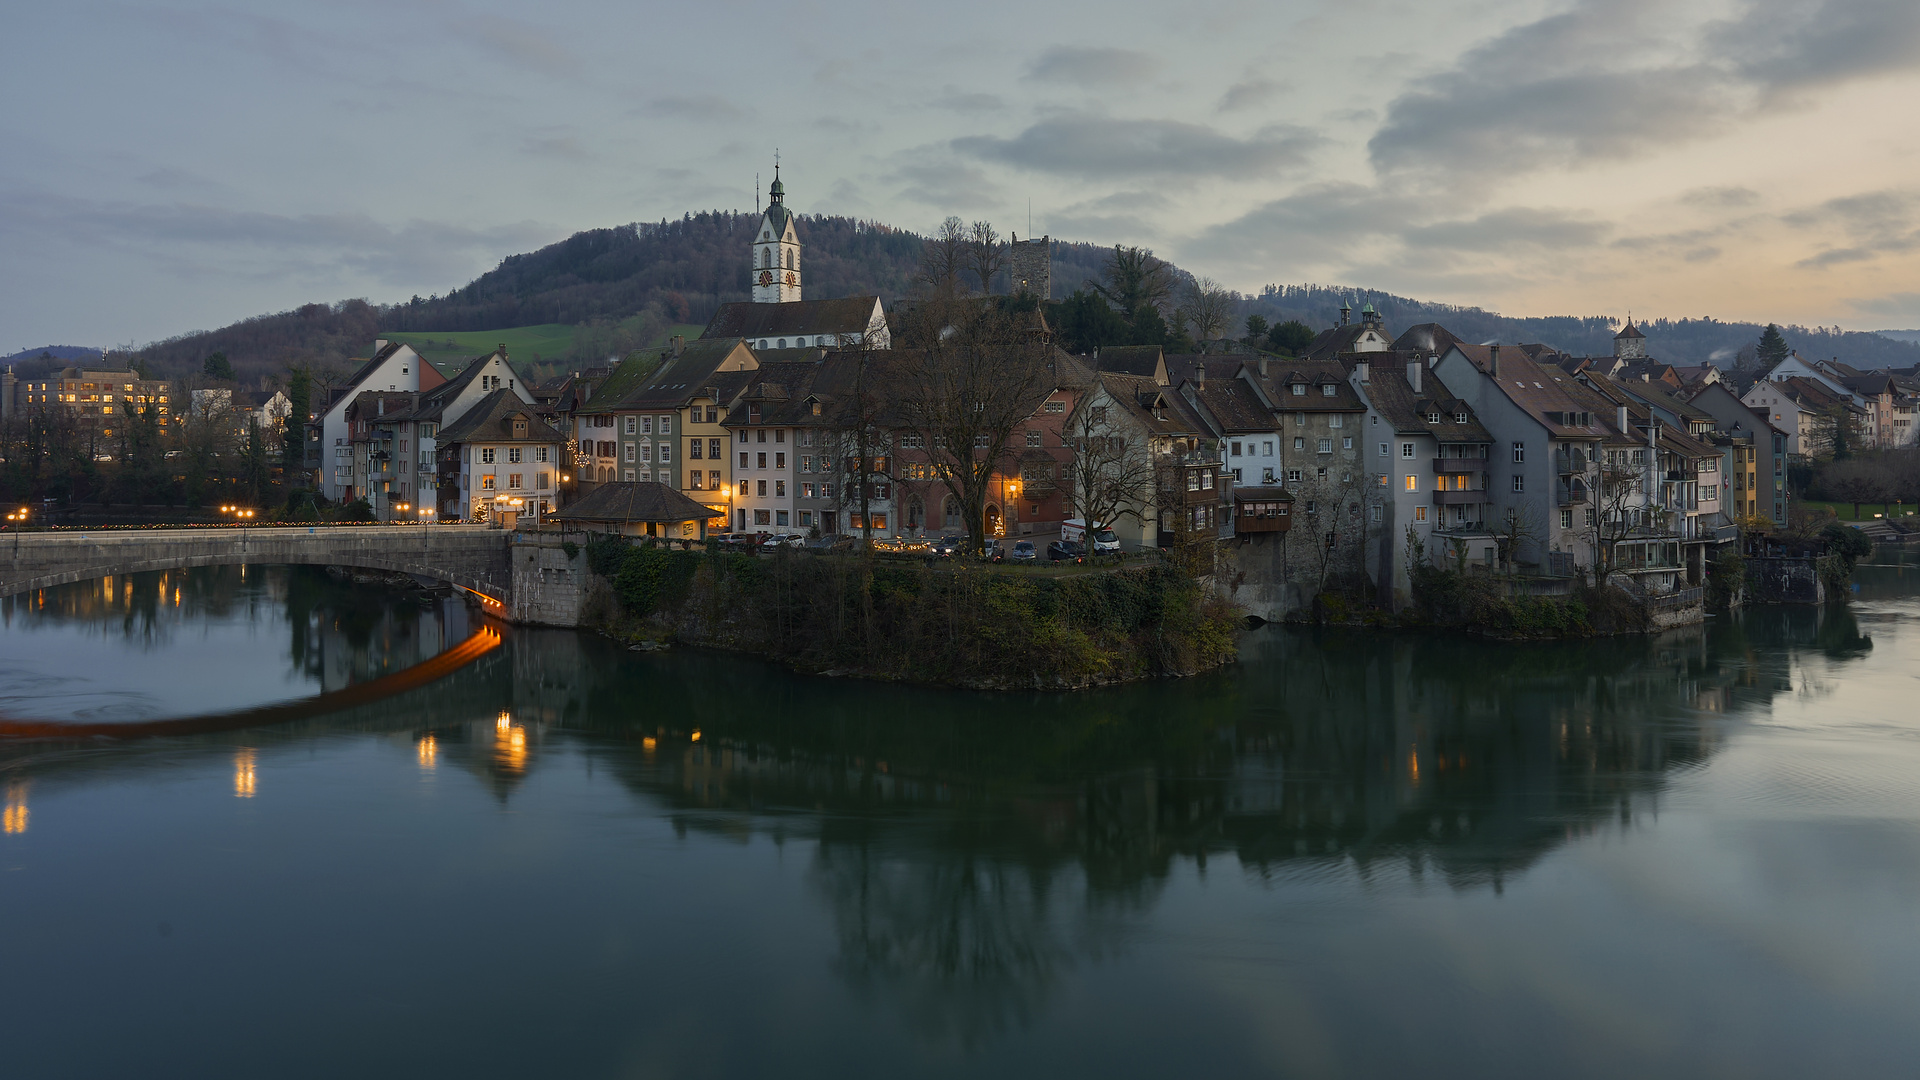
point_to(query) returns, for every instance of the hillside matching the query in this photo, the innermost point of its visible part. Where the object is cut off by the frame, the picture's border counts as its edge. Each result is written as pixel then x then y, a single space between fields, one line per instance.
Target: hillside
pixel 606 292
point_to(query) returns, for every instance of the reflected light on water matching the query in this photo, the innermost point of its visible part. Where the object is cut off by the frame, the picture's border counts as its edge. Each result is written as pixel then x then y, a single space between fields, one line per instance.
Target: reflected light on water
pixel 14 818
pixel 510 746
pixel 243 779
pixel 429 750
pixel 1413 767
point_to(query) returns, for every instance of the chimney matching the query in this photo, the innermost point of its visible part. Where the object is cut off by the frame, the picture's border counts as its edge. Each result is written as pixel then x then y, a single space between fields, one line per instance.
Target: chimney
pixel 679 343
pixel 1365 371
pixel 1493 364
pixel 378 344
pixel 502 350
pixel 380 408
pixel 1413 376
pixel 1620 419
pixel 1263 367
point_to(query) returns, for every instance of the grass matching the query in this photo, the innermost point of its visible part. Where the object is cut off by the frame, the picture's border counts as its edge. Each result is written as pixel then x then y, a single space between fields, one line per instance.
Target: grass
pixel 547 342
pixel 1868 511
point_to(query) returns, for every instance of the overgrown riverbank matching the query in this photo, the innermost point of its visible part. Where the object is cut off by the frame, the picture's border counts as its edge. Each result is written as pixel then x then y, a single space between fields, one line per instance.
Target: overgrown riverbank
pixel 955 624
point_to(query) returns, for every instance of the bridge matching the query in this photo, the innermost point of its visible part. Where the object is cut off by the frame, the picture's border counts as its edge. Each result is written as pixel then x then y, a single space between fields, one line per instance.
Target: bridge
pixel 472 557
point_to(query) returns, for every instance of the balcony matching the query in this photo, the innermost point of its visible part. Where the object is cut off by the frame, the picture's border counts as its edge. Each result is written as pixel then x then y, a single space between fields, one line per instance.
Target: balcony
pixel 1568 461
pixel 1573 491
pixel 1445 465
pixel 1459 498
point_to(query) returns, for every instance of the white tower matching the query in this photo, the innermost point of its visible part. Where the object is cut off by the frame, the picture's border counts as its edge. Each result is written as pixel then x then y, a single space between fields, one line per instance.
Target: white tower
pixel 776 251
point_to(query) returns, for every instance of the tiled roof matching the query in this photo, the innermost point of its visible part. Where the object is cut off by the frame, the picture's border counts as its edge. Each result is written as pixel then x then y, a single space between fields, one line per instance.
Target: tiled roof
pixel 625 503
pixel 488 421
pixel 847 315
pixel 1141 360
pixel 1543 391
pixel 1393 397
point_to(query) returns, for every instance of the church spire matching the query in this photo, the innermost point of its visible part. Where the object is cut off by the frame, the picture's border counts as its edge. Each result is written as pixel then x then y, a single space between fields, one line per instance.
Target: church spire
pixel 776 251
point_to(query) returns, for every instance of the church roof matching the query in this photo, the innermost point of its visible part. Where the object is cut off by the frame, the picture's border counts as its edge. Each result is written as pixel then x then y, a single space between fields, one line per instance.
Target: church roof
pixel 847 315
pixel 1629 332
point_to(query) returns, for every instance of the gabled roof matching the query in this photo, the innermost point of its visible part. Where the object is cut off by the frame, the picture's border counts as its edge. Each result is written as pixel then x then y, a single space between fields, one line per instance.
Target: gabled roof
pixel 490 421
pixel 847 315
pixel 626 503
pixel 628 376
pixel 1393 397
pixel 1811 393
pixel 433 402
pixel 1233 405
pixel 1141 360
pixel 1283 374
pixel 677 379
pixel 1427 339
pixel 1155 408
pixel 1542 391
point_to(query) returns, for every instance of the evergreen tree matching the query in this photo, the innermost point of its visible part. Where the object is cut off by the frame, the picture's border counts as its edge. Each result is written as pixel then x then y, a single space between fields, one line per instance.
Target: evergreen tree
pixel 1256 330
pixel 1290 337
pixel 216 366
pixel 1773 348
pixel 293 445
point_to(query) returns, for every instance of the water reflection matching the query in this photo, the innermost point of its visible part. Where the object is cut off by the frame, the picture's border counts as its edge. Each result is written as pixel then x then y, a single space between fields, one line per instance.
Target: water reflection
pixel 971 852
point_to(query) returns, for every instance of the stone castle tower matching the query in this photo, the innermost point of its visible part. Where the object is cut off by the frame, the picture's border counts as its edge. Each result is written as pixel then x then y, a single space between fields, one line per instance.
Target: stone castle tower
pixel 776 251
pixel 1630 343
pixel 1030 266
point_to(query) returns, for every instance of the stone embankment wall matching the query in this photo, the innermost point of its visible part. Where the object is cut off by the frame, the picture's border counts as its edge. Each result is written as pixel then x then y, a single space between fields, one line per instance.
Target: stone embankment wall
pixel 550 582
pixel 1784 581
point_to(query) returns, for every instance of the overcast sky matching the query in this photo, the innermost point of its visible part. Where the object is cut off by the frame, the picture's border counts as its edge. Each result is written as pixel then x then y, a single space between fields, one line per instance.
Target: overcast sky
pixel 176 166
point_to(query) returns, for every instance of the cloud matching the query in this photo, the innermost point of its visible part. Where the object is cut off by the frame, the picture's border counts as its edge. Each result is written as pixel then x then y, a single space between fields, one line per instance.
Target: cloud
pixel 1247 93
pixel 1902 306
pixel 1733 197
pixel 215 241
pixel 1623 79
pixel 1091 147
pixel 1092 67
pixel 1508 229
pixel 950 185
pixel 705 108
pixel 1875 222
pixel 952 97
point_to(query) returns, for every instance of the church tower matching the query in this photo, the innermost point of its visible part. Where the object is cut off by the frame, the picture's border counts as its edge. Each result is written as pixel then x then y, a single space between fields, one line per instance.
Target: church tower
pixel 776 251
pixel 1630 343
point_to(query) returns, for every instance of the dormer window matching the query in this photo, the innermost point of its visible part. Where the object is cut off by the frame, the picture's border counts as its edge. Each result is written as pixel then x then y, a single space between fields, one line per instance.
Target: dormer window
pixel 1433 418
pixel 1326 390
pixel 1459 418
pixel 1299 389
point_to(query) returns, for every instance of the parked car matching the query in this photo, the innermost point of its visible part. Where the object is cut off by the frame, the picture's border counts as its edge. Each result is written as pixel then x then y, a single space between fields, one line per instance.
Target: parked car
pixel 823 545
pixel 991 550
pixel 1066 551
pixel 732 541
pixel 1023 551
pixel 947 545
pixel 774 541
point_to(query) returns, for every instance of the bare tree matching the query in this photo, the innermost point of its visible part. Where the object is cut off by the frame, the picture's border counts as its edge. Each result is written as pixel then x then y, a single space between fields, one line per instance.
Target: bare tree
pixel 1858 481
pixel 985 254
pixel 977 378
pixel 1515 528
pixel 858 435
pixel 1208 307
pixel 1111 474
pixel 943 259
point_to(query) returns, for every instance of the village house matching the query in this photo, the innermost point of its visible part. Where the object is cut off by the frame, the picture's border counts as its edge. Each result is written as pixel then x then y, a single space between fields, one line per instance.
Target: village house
pixel 1755 487
pixel 502 459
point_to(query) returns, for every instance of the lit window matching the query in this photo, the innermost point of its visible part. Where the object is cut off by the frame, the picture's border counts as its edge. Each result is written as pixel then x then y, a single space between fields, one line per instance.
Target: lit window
pixel 1413 482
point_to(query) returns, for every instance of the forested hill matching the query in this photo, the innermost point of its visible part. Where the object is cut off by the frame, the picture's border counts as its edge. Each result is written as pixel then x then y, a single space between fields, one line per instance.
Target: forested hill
pixel 624 288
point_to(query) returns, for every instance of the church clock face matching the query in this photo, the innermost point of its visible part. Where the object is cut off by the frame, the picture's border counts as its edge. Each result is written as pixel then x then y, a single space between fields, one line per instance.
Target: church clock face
pixel 790 277
pixel 766 277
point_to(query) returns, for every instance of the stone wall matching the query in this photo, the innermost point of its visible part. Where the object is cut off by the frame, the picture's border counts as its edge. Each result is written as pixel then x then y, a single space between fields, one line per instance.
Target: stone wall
pixel 550 586
pixel 1784 581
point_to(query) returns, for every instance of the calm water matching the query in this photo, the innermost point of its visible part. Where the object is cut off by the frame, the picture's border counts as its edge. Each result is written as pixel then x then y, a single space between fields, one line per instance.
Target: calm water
pixel 1697 855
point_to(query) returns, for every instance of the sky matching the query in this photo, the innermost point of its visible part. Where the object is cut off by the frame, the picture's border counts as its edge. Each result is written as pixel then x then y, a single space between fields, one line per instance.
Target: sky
pixel 176 166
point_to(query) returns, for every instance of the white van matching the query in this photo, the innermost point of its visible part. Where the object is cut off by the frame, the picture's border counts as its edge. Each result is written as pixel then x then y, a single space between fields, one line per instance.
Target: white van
pixel 1103 543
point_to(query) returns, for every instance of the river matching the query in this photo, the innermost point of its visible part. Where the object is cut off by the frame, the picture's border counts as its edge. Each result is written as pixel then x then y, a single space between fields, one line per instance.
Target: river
pixel 1347 855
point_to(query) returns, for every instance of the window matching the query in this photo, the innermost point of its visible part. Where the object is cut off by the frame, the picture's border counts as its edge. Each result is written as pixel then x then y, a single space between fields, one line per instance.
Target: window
pixel 1299 389
pixel 760 488
pixel 1269 448
pixel 1413 482
pixel 1406 449
pixel 763 517
pixel 666 425
pixel 1033 437
pixel 806 462
pixel 693 480
pixel 693 449
pixel 1419 513
pixel 1346 443
pixel 1321 474
pixel 1056 406
pixel 779 461
pixel 1299 443
pixel 1236 449
pixel 513 455
pixel 666 453
pixel 540 453
pixel 979 442
pixel 632 425
pixel 1519 483
pixel 743 489
pixel 1293 476
pixel 513 480
pixel 806 491
pixel 1459 418
pixel 1236 477
pixel 486 456
pixel 780 435
pixel 1326 446
pixel 1336 420
pixel 1519 452
pixel 743 434
pixel 646 425
pixel 629 476
pixel 1327 390
pixel 486 482
pixel 779 489
pixel 760 461
pixel 631 449
pixel 1566 519
pixel 779 517
pixel 1375 513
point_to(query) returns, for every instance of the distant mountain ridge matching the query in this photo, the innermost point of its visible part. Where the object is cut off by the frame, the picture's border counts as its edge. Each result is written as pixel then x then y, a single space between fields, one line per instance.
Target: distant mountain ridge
pixel 624 287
